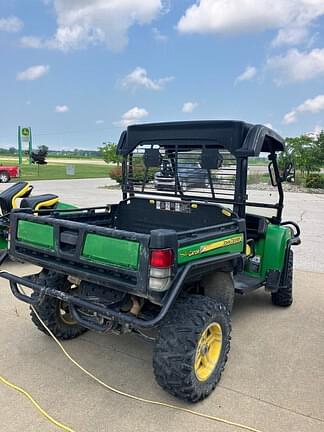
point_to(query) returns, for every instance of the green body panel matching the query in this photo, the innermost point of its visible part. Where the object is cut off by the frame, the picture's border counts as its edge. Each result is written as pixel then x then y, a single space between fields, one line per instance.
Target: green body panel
pixel 271 249
pixel 64 206
pixel 36 234
pixel 3 243
pixel 229 244
pixel 122 253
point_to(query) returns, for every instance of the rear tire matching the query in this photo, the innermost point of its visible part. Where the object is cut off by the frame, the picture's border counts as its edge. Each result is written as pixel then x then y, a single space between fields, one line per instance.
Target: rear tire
pixel 54 312
pixel 284 296
pixel 192 347
pixel 4 176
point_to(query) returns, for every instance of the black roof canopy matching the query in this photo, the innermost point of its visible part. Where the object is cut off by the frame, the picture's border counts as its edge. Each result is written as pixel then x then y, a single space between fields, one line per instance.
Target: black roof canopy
pixel 240 138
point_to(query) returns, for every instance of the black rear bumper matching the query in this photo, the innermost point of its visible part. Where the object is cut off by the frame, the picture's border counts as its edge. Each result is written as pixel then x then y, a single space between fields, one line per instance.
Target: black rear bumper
pixel 107 313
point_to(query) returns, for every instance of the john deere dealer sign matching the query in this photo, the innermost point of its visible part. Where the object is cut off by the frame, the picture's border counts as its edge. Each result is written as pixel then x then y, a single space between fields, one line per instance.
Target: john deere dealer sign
pixel 25 134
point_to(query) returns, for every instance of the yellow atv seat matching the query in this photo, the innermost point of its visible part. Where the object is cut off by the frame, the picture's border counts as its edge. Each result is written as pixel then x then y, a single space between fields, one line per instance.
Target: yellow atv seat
pixel 39 201
pixel 8 198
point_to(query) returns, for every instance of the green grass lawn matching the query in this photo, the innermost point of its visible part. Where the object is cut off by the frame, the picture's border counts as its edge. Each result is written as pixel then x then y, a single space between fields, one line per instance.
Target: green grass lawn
pixel 58 171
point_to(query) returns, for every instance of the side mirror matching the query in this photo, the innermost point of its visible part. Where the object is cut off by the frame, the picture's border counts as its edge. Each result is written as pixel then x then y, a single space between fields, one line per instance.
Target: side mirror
pixel 272 174
pixel 289 173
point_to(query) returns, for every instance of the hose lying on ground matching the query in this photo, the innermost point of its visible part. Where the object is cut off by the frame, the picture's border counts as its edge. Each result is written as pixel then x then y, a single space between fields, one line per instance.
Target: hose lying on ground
pixel 117 391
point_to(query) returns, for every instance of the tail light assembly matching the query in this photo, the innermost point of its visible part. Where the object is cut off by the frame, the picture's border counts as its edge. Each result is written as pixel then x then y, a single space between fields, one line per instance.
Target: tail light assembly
pixel 161 262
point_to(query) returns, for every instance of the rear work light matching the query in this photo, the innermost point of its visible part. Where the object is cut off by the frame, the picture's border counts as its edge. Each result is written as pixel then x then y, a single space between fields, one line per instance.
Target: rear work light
pixel 161 261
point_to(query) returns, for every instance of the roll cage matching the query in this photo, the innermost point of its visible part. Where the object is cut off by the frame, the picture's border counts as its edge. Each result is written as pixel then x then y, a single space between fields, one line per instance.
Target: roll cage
pixel 222 149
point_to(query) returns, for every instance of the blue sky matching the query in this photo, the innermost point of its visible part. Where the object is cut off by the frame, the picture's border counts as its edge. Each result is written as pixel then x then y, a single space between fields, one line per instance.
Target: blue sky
pixel 79 71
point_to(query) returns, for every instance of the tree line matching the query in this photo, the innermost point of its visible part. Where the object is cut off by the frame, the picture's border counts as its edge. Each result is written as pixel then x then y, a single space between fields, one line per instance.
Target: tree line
pixel 306 152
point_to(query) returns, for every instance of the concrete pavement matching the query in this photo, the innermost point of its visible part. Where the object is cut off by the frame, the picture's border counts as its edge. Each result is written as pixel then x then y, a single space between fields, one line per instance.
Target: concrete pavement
pixel 273 380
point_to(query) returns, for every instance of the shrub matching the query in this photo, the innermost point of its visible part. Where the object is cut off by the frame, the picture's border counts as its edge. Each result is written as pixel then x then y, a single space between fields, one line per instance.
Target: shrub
pixel 116 173
pixel 138 173
pixel 315 181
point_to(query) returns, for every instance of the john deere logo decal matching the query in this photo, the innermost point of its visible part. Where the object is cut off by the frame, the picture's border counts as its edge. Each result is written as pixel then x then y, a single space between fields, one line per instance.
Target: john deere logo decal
pixel 25 132
pixel 211 246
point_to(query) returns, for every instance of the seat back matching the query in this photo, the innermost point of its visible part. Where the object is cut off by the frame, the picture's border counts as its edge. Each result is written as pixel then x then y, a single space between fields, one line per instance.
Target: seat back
pixel 256 226
pixel 8 197
pixel 142 215
pixel 40 201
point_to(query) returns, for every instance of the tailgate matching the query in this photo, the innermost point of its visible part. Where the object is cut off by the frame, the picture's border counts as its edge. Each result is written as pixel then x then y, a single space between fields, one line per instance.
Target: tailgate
pixel 113 258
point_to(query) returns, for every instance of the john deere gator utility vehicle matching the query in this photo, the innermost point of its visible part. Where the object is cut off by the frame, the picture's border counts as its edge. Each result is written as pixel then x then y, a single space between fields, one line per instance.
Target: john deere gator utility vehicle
pixel 171 259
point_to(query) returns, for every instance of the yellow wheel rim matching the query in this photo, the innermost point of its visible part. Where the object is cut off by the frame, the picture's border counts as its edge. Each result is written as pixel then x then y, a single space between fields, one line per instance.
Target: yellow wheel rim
pixel 208 351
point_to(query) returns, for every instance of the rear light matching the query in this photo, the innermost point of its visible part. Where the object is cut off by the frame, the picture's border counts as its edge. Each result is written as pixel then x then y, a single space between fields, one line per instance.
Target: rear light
pixel 161 261
pixel 161 258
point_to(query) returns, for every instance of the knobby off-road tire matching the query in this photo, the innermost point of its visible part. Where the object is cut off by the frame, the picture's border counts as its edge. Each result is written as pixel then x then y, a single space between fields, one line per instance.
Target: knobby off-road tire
pixel 284 296
pixel 181 336
pixel 53 312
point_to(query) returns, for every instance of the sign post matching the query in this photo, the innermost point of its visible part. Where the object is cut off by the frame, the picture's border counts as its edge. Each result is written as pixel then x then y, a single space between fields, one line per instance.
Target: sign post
pixel 24 136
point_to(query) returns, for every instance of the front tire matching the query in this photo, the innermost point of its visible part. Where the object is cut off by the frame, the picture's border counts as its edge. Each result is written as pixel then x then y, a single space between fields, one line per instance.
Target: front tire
pixel 54 312
pixel 284 296
pixel 4 176
pixel 192 347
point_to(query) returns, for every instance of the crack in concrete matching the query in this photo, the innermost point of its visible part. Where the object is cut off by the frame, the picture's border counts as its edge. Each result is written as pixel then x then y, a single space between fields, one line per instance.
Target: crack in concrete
pixel 301 217
pixel 272 404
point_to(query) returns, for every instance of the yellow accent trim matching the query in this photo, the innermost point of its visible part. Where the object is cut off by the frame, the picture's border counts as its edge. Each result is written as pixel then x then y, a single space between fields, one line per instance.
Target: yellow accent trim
pixel 47 203
pixel 152 201
pixel 194 205
pixel 219 244
pixel 226 212
pixel 208 351
pixel 19 195
pixel 248 250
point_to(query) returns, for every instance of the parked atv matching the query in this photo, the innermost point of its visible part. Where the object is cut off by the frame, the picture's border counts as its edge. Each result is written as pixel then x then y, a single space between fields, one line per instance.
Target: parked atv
pixel 171 260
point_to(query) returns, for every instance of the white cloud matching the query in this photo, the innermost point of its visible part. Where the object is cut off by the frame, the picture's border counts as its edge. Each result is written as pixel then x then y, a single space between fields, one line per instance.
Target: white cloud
pixel 33 73
pixel 31 42
pixel 292 18
pixel 290 36
pixel 61 108
pixel 314 105
pixel 139 78
pixel 158 36
pixel 81 23
pixel 99 121
pixel 290 117
pixel 132 116
pixel 247 74
pixel 11 24
pixel 317 130
pixel 188 107
pixel 297 65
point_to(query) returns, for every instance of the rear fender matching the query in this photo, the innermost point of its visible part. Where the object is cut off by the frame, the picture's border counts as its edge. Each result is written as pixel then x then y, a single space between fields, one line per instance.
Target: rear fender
pixel 275 246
